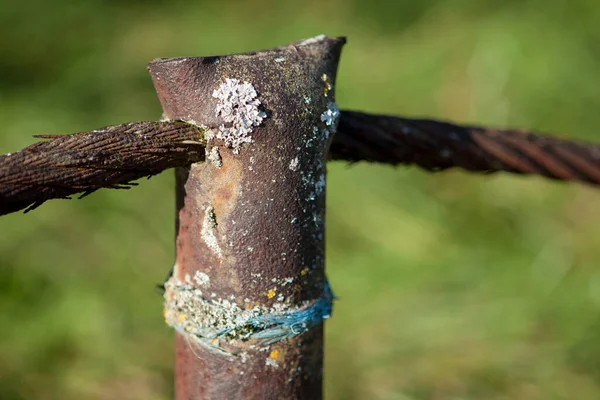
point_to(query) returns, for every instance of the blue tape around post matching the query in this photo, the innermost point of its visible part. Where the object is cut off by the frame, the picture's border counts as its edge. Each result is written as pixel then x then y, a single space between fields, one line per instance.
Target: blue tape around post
pixel 208 321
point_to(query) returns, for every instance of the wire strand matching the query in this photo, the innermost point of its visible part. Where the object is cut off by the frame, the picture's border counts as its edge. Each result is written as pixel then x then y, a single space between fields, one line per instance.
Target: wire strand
pixel 115 156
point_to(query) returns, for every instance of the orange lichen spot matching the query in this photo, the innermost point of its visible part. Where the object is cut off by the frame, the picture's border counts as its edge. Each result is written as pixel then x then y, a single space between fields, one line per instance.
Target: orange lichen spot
pixel 181 318
pixel 274 354
pixel 304 271
pixel 328 85
pixel 270 293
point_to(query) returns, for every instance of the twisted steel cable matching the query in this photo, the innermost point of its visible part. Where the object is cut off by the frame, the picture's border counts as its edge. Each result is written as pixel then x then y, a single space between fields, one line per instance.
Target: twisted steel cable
pixel 436 146
pixel 114 156
pixel 110 157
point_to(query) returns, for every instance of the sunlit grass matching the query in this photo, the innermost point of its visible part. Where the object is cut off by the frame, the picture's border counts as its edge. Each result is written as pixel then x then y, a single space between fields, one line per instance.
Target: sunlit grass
pixel 450 286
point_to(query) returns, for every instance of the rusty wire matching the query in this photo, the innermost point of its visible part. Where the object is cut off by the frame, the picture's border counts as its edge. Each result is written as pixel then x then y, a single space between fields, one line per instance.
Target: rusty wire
pixel 437 146
pixel 110 157
pixel 114 156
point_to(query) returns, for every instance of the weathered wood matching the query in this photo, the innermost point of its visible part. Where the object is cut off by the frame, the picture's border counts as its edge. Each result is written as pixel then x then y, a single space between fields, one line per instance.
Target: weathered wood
pixel 250 224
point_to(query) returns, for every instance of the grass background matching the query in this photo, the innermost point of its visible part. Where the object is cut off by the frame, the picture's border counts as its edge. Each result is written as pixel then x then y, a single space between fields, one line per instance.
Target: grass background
pixel 450 286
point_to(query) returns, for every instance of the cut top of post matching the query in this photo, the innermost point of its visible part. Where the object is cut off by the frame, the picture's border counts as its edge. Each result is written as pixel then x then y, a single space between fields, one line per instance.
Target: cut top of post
pixel 182 84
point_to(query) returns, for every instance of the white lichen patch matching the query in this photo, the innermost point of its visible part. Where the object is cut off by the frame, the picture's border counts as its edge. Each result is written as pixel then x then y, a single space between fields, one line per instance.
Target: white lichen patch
pixel 209 320
pixel 214 157
pixel 271 362
pixel 287 281
pixel 307 99
pixel 331 115
pixel 201 278
pixel 202 127
pixel 279 59
pixel 320 185
pixel 294 164
pixel 209 230
pixel 238 107
pixel 311 139
pixel 314 182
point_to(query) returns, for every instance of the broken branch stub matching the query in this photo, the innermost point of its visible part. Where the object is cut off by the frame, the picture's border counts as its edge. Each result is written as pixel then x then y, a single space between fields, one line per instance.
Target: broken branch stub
pixel 249 294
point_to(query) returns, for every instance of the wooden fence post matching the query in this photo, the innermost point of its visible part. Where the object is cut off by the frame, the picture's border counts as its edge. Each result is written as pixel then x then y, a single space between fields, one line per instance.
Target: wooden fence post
pixel 248 294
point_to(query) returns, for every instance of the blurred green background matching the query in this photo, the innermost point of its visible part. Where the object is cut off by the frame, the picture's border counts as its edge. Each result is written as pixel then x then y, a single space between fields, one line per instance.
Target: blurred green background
pixel 450 286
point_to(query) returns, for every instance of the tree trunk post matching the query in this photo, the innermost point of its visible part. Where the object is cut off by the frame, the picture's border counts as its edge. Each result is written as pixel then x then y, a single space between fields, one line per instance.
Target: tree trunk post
pixel 248 294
